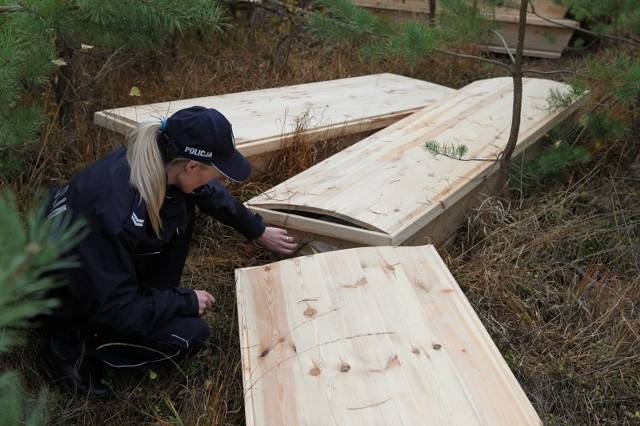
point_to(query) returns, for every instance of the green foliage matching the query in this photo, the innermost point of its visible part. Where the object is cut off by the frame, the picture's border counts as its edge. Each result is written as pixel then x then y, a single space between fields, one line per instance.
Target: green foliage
pixel 377 38
pixel 414 41
pixel 114 24
pixel 27 252
pixel 26 60
pixel 602 125
pixel 11 402
pixel 621 74
pixel 613 113
pixel 459 23
pixel 18 128
pixel 342 20
pixel 447 149
pixel 34 33
pixel 607 16
pixel 141 24
pixel 559 99
pixel 553 161
pixel 15 410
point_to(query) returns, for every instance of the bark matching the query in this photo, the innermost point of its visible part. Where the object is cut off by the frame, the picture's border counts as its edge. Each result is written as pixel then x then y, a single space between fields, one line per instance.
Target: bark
pixel 505 159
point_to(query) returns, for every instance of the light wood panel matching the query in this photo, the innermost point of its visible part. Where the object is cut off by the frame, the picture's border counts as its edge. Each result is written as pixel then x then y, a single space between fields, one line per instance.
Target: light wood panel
pixel 263 119
pixel 544 8
pixel 547 32
pixel 543 38
pixel 387 187
pixel 369 336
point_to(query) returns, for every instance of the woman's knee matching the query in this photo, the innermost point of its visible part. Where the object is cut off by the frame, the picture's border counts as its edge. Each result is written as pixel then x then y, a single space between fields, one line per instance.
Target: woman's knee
pixel 200 333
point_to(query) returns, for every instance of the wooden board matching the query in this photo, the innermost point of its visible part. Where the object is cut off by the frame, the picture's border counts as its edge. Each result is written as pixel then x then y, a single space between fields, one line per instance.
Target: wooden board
pixel 369 336
pixel 543 38
pixel 385 189
pixel 544 8
pixel 263 119
pixel 547 32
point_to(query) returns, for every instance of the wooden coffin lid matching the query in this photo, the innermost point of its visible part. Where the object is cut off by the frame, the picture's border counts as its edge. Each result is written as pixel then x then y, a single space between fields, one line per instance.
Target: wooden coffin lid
pixel 390 184
pixel 369 336
pixel 261 119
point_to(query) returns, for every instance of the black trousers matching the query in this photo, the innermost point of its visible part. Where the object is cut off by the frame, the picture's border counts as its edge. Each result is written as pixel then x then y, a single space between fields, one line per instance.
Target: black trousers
pixel 167 344
pixel 172 339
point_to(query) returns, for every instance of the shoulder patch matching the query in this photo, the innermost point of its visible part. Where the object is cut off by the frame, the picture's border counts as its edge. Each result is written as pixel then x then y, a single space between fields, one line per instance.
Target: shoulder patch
pixel 136 220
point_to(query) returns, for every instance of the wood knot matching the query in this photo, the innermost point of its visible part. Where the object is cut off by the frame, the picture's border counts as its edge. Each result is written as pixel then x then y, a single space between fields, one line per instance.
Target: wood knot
pixel 437 346
pixel 265 353
pixel 361 282
pixel 315 371
pixel 310 312
pixel 344 367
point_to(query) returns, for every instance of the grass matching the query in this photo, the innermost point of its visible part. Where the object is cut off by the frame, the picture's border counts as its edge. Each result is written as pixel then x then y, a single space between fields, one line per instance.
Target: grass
pixel 556 285
pixel 554 276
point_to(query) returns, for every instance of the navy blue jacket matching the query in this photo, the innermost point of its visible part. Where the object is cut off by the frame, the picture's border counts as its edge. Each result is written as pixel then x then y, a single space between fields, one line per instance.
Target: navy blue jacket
pixel 104 293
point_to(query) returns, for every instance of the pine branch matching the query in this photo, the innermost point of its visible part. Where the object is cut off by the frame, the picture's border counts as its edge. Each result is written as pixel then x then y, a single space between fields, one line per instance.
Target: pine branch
pixel 450 150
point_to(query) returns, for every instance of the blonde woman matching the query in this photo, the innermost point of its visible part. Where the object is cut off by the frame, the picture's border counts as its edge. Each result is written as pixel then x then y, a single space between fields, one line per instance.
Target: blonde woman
pixel 139 202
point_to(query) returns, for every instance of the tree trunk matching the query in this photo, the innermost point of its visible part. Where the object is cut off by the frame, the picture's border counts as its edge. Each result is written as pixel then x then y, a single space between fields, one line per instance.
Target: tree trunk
pixel 505 159
pixel 432 11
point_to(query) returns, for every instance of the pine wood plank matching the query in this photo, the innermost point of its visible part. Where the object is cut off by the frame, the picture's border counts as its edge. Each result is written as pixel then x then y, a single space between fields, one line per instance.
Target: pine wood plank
pixel 264 119
pixel 388 185
pixel 542 39
pixel 547 32
pixel 544 8
pixel 382 335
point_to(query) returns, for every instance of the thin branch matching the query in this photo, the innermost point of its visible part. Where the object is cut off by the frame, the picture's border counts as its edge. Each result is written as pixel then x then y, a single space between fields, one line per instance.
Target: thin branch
pixel 10 8
pixel 474 57
pixel 505 45
pixel 533 71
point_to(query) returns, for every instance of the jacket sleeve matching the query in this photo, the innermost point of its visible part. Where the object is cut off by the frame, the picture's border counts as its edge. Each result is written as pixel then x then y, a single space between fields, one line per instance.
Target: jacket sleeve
pixel 216 201
pixel 110 294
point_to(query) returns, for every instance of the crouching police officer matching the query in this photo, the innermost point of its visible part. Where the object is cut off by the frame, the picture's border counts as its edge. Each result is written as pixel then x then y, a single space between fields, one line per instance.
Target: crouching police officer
pixel 123 306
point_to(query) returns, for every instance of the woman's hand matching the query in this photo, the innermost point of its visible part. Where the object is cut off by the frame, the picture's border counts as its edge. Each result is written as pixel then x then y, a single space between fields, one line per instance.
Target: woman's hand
pixel 205 301
pixel 276 240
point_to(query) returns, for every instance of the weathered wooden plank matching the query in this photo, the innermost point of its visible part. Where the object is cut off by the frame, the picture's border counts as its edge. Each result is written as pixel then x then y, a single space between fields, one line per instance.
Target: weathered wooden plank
pixel 389 188
pixel 374 336
pixel 547 32
pixel 544 8
pixel 543 38
pixel 264 119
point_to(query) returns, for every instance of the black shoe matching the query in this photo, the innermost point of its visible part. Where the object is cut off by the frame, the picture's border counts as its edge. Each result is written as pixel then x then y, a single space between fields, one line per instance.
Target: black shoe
pixel 75 373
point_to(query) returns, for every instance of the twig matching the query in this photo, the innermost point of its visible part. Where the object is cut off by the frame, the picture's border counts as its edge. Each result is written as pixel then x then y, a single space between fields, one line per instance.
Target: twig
pixel 10 8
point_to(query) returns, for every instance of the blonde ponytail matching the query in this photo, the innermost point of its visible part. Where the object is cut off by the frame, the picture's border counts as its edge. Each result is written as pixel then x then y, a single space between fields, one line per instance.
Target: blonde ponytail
pixel 148 174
